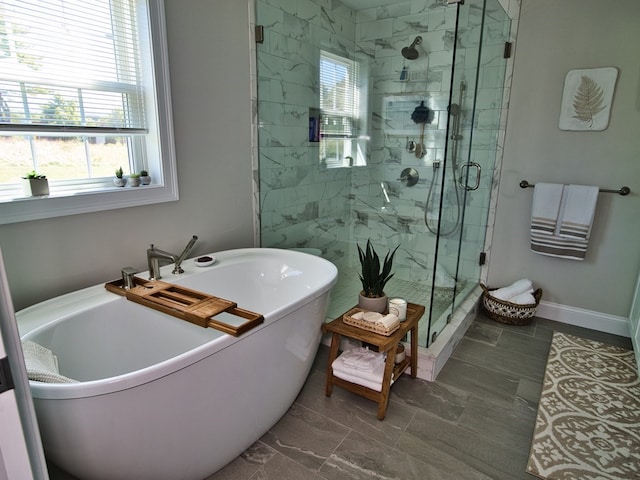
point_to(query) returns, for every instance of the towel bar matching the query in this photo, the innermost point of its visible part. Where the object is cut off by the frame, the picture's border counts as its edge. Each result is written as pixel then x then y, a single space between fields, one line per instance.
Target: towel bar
pixel 622 191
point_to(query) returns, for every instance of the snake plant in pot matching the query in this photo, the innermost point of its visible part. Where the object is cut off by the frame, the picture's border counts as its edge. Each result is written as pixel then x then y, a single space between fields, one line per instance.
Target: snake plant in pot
pixel 374 276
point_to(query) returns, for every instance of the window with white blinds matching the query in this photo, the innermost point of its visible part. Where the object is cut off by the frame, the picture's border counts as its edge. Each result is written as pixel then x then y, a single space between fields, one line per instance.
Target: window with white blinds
pixel 83 92
pixel 71 66
pixel 338 95
pixel 339 106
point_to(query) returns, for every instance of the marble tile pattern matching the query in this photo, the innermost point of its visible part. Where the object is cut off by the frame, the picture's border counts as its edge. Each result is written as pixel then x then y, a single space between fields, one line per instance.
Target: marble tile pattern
pixel 301 203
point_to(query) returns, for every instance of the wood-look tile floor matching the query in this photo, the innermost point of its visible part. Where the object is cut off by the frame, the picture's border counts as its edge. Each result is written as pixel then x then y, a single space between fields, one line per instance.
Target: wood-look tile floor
pixel 475 422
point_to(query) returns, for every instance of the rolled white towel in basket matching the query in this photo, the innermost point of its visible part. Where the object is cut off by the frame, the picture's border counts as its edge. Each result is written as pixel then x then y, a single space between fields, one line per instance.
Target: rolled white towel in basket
pixel 385 321
pixel 516 288
pixel 523 299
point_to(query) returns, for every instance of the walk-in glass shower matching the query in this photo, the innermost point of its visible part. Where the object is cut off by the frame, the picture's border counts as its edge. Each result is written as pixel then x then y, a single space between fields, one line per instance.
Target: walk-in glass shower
pixel 380 120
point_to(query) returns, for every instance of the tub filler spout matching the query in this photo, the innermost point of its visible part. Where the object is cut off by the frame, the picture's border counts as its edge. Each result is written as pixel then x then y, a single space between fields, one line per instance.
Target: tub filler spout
pixel 155 256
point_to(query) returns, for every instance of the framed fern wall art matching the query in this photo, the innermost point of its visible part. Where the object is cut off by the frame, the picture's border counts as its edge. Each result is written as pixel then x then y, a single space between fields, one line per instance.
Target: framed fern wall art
pixel 587 97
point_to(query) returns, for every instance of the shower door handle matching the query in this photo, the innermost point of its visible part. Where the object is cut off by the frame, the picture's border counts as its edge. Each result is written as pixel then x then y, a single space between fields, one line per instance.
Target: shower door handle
pixel 464 178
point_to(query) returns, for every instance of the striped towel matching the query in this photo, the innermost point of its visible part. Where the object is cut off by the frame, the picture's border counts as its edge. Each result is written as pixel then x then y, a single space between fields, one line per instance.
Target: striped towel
pixel 579 211
pixel 556 246
pixel 569 237
pixel 546 207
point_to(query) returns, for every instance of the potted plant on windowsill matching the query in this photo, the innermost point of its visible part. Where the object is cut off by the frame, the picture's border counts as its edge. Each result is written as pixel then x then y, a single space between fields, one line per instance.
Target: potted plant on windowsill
pixel 119 180
pixel 145 178
pixel 35 185
pixel 134 180
pixel 374 277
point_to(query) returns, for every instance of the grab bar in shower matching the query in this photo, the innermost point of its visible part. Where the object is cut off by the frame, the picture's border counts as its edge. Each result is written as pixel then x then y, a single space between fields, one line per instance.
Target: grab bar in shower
pixel 621 191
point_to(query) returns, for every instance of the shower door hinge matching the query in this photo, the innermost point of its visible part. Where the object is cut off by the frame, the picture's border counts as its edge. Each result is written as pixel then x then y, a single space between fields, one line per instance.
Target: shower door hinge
pixel 483 258
pixel 259 33
pixel 507 50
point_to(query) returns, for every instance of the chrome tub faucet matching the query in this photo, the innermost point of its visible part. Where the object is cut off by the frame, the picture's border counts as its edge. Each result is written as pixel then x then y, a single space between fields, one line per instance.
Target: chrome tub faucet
pixel 155 256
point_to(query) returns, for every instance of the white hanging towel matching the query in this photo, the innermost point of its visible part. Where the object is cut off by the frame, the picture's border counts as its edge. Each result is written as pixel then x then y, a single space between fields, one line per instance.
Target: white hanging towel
pixel 579 211
pixel 545 208
pixel 570 238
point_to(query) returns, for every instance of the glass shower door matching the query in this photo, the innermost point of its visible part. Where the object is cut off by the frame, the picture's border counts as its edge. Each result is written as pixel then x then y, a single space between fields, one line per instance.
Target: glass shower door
pixel 475 111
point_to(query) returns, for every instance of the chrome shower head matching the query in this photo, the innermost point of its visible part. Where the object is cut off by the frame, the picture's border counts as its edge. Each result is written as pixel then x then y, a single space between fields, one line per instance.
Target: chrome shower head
pixel 410 52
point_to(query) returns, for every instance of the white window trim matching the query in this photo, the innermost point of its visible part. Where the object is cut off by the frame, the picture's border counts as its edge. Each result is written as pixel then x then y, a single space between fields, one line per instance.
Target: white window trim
pixel 164 189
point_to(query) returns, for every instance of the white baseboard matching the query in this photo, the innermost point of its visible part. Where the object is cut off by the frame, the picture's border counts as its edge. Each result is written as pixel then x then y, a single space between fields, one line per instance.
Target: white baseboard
pixel 580 317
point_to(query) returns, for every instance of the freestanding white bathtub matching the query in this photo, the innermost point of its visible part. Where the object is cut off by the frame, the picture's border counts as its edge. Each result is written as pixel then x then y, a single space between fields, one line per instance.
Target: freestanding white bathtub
pixel 161 398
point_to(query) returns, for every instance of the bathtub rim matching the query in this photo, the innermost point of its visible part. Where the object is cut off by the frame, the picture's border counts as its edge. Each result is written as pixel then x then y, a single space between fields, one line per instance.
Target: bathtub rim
pixel 43 315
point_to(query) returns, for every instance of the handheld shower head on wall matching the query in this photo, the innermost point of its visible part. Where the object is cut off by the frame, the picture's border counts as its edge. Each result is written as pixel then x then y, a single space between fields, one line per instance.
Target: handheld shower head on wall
pixel 410 52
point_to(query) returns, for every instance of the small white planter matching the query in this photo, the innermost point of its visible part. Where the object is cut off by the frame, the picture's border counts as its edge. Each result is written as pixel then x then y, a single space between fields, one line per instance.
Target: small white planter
pixel 35 187
pixel 119 182
pixel 145 179
pixel 134 181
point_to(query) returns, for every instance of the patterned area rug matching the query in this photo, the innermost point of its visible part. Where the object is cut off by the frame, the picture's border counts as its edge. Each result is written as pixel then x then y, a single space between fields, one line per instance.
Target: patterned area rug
pixel 588 423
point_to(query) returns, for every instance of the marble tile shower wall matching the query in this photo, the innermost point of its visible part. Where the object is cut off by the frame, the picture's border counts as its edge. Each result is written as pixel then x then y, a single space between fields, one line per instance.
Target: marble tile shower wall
pixel 301 203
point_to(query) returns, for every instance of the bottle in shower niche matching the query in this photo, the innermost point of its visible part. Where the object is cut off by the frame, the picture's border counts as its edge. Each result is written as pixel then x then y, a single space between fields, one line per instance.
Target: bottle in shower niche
pixel 404 74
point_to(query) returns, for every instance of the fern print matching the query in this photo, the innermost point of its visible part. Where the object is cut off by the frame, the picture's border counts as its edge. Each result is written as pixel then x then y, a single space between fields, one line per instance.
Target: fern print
pixel 587 101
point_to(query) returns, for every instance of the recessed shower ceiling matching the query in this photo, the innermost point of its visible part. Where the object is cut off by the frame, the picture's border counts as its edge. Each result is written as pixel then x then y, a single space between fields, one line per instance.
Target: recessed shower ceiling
pixel 362 4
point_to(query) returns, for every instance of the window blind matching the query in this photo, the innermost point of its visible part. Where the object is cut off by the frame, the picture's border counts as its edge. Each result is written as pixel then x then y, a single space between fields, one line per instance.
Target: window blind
pixel 338 95
pixel 70 66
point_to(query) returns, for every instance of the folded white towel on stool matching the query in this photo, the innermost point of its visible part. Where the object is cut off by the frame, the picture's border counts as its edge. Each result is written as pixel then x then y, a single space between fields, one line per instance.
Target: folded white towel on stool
pixel 545 207
pixel 42 364
pixel 361 358
pixel 505 293
pixel 368 378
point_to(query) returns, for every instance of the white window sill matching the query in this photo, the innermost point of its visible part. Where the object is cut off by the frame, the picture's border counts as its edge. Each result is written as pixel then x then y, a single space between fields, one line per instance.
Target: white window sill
pixel 62 202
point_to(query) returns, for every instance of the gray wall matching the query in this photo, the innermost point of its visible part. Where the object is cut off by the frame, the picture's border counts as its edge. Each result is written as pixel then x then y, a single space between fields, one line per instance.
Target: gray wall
pixel 553 38
pixel 209 58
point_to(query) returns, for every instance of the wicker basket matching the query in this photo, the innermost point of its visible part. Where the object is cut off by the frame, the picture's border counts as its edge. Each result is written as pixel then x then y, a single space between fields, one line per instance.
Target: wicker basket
pixel 507 312
pixel 372 327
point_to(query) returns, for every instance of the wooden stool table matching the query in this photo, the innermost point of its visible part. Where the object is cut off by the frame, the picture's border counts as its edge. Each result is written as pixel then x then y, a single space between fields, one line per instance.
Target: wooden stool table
pixel 385 344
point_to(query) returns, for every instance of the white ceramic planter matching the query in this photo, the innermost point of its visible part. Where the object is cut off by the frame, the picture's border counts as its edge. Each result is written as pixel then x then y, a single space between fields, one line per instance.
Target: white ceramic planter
pixel 378 304
pixel 35 187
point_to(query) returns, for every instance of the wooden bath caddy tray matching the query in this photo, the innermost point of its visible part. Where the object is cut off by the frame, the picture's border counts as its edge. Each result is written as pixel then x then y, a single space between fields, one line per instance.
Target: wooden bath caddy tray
pixel 190 305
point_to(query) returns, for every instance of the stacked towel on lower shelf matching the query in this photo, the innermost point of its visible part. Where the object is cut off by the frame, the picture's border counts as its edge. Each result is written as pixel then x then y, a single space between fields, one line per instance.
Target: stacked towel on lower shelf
pixel 362 366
